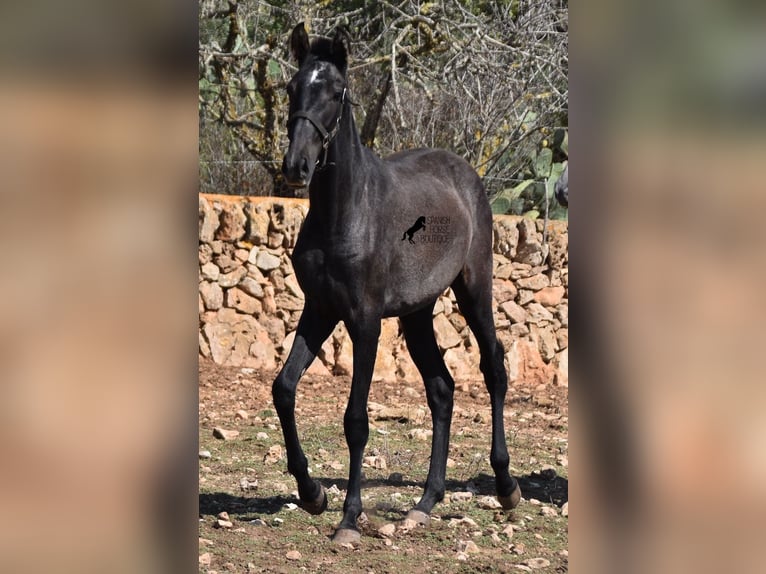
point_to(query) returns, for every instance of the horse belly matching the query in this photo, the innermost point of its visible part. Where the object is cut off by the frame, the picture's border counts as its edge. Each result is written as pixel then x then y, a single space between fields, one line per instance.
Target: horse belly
pixel 421 269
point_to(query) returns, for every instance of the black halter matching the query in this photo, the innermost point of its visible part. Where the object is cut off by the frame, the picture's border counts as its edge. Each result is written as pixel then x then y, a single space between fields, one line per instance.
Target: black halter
pixel 327 135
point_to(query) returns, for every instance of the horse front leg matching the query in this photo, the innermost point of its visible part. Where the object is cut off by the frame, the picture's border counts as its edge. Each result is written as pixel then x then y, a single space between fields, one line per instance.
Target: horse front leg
pixel 313 329
pixel 356 426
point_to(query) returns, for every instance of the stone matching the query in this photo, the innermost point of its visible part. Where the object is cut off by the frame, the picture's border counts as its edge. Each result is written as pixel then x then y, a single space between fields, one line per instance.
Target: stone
pixel 565 509
pixel 205 253
pixel 529 249
pixel 534 283
pixel 293 555
pixel 537 563
pixel 506 235
pixel 241 415
pixel 205 559
pixel 344 357
pixel 446 335
pixel 545 339
pixel 232 222
pixel 463 496
pixel 238 299
pixel 232 278
pixel 514 312
pixel 488 503
pixel 468 546
pixel 258 217
pixel 550 296
pixel 548 511
pixel 225 263
pixel 387 530
pixel 276 240
pixel 461 363
pixel 291 283
pixel 203 454
pixel 537 313
pixel 210 271
pixel 266 261
pixel 212 295
pixel 286 302
pixel 273 455
pixel 504 290
pixel 208 220
pixel 251 287
pixel 225 434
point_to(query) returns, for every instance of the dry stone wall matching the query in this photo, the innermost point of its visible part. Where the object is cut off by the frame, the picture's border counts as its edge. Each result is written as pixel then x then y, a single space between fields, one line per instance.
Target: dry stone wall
pixel 250 300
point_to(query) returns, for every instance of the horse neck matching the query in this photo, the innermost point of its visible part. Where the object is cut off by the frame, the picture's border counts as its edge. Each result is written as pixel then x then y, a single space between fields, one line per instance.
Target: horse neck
pixel 339 190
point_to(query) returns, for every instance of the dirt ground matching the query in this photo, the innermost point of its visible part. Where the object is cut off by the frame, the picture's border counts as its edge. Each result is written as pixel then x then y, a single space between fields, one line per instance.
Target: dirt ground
pixel 245 476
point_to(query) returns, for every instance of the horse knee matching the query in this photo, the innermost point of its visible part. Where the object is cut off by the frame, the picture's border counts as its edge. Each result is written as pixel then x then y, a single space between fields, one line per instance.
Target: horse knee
pixel 283 393
pixel 356 427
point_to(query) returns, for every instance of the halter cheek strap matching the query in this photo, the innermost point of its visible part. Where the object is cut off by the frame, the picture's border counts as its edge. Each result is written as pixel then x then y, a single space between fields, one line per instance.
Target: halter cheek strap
pixel 327 136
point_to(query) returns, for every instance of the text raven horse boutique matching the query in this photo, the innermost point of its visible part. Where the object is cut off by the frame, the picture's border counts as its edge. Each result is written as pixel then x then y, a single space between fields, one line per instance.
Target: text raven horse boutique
pixel 353 266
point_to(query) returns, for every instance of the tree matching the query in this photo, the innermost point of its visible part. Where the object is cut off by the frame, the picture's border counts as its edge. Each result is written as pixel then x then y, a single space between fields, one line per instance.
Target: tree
pixel 487 80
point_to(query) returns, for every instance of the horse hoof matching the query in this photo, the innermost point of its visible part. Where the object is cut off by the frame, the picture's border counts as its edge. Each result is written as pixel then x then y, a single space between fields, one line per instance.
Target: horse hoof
pixel 318 505
pixel 511 501
pixel 346 536
pixel 419 517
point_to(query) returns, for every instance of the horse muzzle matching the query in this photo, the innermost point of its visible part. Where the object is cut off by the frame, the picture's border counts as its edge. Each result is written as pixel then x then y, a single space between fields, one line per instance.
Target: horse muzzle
pixel 297 170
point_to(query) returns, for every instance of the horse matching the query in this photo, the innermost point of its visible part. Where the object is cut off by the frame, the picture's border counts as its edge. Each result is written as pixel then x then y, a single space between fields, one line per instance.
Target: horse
pixel 417 226
pixel 352 267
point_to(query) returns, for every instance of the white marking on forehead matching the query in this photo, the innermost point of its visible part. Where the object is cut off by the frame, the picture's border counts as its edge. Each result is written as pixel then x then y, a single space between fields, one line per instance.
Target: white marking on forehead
pixel 321 67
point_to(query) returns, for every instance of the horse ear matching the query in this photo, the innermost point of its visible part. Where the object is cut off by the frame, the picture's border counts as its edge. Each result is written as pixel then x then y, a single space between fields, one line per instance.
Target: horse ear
pixel 341 47
pixel 299 43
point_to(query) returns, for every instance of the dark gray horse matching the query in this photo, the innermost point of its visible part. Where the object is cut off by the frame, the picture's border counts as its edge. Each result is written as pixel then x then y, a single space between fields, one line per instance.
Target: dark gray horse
pixel 353 267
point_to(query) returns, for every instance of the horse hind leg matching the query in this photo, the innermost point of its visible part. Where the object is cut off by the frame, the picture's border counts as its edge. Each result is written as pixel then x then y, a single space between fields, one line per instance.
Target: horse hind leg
pixel 473 291
pixel 421 342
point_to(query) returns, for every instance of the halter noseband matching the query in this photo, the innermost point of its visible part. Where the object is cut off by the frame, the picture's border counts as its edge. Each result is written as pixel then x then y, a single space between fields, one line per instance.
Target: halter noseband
pixel 327 136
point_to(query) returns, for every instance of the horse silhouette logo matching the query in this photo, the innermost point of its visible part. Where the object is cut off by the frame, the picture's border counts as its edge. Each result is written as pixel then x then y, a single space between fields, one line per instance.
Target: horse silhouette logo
pixel 419 224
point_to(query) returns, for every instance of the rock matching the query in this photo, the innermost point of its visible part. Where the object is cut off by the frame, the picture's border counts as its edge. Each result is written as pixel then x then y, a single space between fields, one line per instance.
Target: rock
pixel 536 563
pixel 506 235
pixel 465 520
pixel 225 434
pixel 536 313
pixel 273 455
pixel 242 415
pixel 514 312
pixel 205 559
pixel 378 462
pixel 220 523
pixel 462 496
pixel 291 283
pixel 533 283
pixel 529 249
pixel 508 531
pixel 462 364
pixel 293 555
pixel 246 484
pixel 504 290
pixel 468 546
pixel 545 339
pixel 258 216
pixel 565 509
pixel 446 335
pixel 225 263
pixel 232 223
pixel 262 436
pixel 231 278
pixel 212 295
pixel 548 511
pixel 210 271
pixel 387 530
pixel 549 296
pixel 266 261
pixel 203 454
pixel 208 221
pixel 251 287
pixel 238 299
pixel 488 503
pixel 420 434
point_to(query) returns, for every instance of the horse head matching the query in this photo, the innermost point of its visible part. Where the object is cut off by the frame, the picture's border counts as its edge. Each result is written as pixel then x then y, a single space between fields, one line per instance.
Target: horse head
pixel 317 95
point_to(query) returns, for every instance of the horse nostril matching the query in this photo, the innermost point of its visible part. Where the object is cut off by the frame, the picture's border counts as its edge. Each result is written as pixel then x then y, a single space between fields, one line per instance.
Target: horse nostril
pixel 304 166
